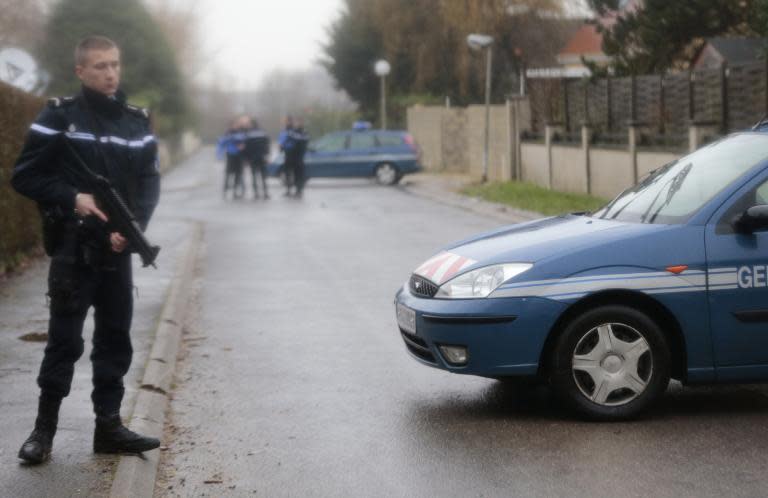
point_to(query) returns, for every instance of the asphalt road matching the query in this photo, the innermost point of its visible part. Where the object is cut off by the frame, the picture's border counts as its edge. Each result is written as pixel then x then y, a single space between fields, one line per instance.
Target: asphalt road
pixel 294 380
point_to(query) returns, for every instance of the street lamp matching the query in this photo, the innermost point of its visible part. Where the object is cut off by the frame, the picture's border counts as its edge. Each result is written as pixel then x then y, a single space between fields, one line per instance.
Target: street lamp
pixel 479 42
pixel 382 69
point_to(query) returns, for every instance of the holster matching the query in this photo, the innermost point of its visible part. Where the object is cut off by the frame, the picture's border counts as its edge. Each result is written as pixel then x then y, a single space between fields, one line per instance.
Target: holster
pixel 53 224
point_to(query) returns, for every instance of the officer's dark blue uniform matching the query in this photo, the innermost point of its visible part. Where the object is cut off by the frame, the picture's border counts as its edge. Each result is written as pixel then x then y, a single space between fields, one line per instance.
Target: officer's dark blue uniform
pixel 115 141
pixel 231 145
pixel 256 150
pixel 301 138
pixel 293 142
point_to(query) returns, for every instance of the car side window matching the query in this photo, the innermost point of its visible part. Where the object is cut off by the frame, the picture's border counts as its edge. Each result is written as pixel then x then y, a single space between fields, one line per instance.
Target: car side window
pixel 389 140
pixel 761 194
pixel 362 141
pixel 754 197
pixel 329 143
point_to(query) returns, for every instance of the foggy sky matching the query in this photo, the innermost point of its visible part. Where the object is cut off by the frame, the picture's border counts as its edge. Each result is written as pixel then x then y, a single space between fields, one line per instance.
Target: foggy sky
pixel 245 39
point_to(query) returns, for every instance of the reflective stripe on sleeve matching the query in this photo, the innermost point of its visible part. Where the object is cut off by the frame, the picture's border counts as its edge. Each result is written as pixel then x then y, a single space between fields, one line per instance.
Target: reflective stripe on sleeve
pixel 78 135
pixel 43 129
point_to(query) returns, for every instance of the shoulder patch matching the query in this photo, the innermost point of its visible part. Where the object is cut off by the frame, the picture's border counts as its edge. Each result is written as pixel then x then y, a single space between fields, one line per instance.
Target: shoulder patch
pixel 139 111
pixel 57 102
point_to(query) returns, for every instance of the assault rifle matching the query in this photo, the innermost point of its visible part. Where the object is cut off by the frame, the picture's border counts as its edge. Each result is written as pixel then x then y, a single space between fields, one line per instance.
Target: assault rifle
pixel 121 219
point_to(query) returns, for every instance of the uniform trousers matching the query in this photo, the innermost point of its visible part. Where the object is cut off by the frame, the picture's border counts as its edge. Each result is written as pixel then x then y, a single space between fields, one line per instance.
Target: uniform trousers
pixel 73 290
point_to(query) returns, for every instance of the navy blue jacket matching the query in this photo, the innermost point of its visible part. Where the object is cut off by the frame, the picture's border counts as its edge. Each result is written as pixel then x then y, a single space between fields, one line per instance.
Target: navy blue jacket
pixel 112 137
pixel 256 145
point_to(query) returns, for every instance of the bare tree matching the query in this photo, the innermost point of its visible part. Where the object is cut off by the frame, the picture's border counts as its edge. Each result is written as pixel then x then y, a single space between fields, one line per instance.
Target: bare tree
pixel 181 24
pixel 22 23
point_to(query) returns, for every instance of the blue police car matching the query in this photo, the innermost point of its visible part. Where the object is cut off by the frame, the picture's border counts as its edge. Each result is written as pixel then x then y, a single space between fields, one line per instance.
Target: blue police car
pixel 385 155
pixel 669 280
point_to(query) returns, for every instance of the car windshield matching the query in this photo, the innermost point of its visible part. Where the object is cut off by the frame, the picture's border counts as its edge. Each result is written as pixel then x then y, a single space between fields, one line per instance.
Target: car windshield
pixel 674 192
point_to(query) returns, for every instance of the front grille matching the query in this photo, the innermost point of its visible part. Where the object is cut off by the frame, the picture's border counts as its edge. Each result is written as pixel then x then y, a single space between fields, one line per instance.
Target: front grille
pixel 422 287
pixel 418 347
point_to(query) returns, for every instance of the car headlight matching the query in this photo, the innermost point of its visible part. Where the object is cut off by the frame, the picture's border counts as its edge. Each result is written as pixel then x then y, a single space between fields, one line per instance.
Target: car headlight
pixel 481 282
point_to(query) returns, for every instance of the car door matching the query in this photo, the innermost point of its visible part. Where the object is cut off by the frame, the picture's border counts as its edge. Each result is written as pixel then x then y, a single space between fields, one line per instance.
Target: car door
pixel 737 278
pixel 361 154
pixel 325 155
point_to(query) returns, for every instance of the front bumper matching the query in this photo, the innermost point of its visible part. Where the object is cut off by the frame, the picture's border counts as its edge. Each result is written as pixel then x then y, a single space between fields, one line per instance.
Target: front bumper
pixel 503 336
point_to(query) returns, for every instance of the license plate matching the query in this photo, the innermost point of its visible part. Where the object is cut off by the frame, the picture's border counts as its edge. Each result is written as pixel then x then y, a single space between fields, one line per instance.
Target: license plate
pixel 406 318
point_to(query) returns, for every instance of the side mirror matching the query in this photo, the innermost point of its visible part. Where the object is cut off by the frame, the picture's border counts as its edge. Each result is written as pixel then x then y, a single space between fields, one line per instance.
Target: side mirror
pixel 752 220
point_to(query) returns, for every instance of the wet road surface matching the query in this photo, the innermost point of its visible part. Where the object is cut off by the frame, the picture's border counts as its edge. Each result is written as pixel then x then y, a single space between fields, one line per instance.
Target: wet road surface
pixel 294 380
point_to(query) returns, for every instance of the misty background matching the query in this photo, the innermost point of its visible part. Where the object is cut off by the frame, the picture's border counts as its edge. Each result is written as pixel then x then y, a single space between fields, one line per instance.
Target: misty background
pixel 199 63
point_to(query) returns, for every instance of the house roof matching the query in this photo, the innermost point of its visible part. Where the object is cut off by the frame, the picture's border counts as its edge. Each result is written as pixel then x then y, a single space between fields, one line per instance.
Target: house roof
pixel 585 41
pixel 739 49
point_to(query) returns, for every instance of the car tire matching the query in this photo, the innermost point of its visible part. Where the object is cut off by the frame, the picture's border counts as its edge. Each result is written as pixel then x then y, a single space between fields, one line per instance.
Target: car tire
pixel 387 174
pixel 610 363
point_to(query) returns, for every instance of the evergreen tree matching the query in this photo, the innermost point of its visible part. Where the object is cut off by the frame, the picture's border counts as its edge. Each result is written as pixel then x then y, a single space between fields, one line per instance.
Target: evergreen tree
pixel 150 75
pixel 355 44
pixel 665 34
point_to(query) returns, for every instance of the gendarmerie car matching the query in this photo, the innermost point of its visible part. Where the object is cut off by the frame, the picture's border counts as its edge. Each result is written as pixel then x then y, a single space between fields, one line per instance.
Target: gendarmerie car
pixel 670 279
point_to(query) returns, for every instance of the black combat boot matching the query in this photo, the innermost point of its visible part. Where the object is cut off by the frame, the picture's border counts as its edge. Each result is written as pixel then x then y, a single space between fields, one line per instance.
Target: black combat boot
pixel 111 436
pixel 37 448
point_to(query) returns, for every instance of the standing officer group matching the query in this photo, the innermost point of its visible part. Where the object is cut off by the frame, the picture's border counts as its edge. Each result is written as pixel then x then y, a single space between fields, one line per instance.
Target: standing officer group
pixel 91 264
pixel 243 143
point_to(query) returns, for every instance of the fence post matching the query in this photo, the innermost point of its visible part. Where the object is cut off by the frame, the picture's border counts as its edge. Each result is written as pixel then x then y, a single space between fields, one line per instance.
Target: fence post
pixel 549 130
pixel 632 131
pixel 511 165
pixel 662 105
pixel 693 137
pixel 608 104
pixel 691 96
pixel 586 134
pixel 520 104
pixel 566 114
pixel 633 99
pixel 724 98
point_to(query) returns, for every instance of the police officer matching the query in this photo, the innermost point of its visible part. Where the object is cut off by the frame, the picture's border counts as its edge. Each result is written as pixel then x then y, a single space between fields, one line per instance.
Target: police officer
pixel 301 139
pixel 90 265
pixel 232 146
pixel 256 150
pixel 288 146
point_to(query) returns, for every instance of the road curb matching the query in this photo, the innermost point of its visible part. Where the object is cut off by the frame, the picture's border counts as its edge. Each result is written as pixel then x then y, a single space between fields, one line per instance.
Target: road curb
pixel 135 476
pixel 497 211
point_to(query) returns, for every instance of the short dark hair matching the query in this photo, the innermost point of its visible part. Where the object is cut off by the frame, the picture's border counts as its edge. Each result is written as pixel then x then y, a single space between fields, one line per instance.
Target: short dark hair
pixel 94 42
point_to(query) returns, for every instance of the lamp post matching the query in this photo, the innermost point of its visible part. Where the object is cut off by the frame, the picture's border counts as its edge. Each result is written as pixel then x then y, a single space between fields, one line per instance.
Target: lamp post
pixel 382 69
pixel 479 42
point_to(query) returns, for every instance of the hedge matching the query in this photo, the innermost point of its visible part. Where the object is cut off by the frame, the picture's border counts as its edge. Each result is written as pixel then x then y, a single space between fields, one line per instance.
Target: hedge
pixel 19 218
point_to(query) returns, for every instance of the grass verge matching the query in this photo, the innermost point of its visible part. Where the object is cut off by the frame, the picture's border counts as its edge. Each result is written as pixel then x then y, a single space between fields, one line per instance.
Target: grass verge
pixel 534 198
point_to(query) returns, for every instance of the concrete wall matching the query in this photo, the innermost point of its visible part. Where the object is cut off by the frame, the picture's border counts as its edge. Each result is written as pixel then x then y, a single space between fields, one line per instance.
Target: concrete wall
pixel 426 126
pixel 569 169
pixel 454 152
pixel 535 164
pixel 453 139
pixel 648 161
pixel 610 171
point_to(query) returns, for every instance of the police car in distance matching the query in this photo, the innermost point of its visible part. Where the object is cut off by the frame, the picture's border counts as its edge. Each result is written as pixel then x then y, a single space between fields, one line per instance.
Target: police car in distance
pixel 385 155
pixel 670 279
